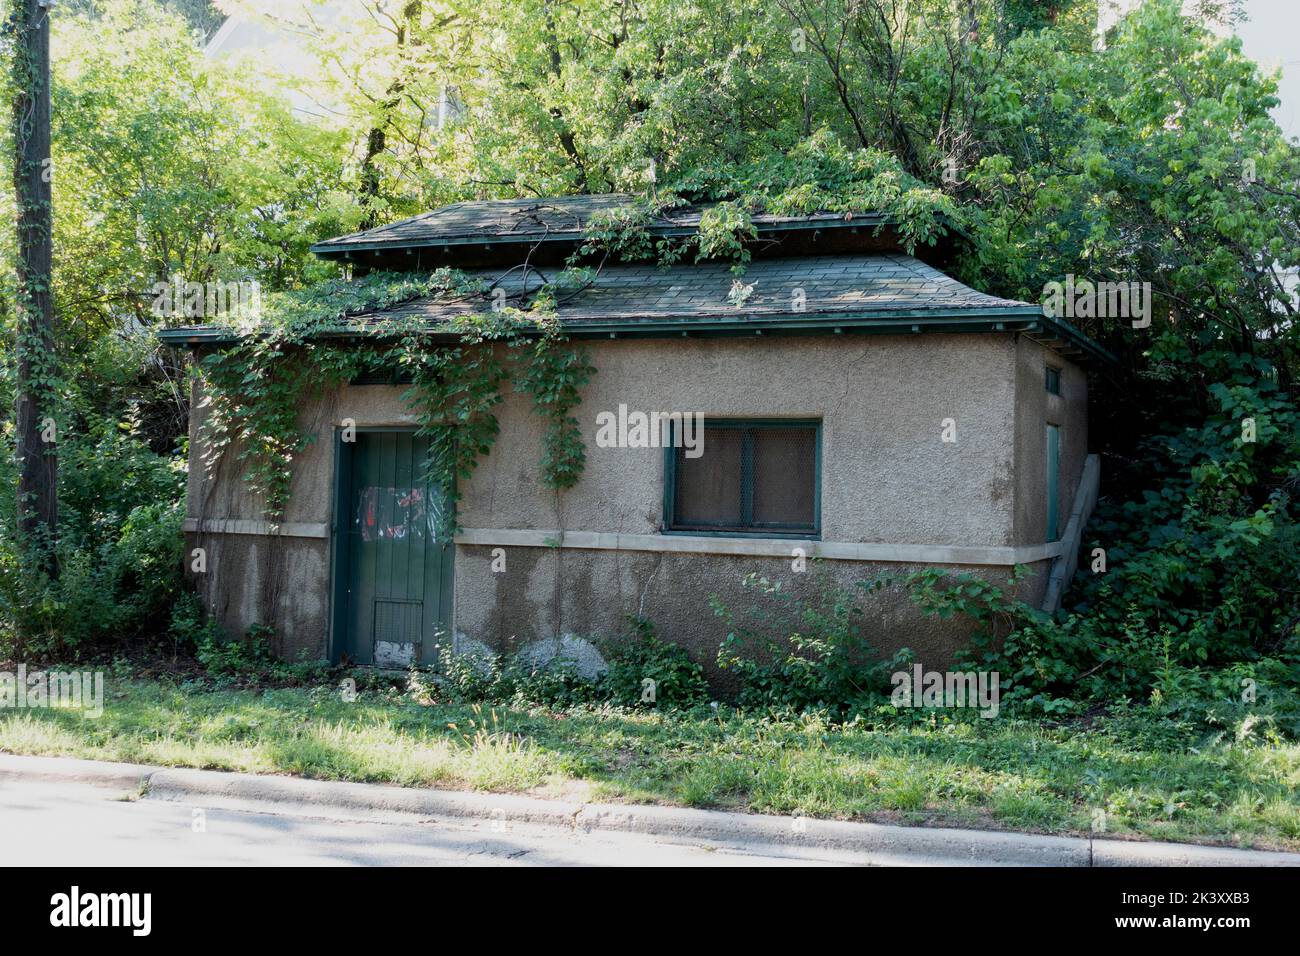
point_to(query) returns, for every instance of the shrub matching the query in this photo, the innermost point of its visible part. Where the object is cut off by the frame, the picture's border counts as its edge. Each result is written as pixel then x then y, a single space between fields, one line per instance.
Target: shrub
pixel 190 627
pixel 806 654
pixel 222 657
pixel 522 680
pixel 678 681
pixel 495 678
pixel 1008 636
pixel 117 589
pixel 1142 675
pixel 556 683
pixel 119 551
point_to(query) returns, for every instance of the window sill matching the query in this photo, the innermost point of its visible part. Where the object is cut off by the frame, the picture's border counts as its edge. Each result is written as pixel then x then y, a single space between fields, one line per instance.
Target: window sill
pixel 760 535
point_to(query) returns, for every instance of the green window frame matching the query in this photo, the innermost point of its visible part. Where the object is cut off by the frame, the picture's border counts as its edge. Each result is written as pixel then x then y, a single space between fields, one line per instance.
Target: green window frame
pixel 1052 379
pixel 747 528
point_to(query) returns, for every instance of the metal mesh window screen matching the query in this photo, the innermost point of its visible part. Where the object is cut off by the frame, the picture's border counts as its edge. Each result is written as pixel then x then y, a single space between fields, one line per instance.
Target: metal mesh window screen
pixel 709 487
pixel 751 477
pixel 784 465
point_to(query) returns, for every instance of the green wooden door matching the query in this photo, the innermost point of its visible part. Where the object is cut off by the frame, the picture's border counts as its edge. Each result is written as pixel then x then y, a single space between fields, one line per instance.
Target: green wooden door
pixel 394 572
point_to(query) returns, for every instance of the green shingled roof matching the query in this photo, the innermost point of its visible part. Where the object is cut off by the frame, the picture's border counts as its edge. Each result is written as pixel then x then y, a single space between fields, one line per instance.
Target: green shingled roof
pixel 887 293
pixel 560 219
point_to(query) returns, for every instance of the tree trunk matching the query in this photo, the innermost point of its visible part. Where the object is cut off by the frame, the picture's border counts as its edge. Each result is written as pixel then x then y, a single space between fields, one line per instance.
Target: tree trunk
pixel 38 503
pixel 377 139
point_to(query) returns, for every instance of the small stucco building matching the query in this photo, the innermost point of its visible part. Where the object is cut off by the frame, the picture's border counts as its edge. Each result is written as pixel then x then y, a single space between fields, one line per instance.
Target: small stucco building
pixel 859 406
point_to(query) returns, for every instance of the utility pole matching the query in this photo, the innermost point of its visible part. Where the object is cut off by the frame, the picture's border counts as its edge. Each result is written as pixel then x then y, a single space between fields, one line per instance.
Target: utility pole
pixel 38 502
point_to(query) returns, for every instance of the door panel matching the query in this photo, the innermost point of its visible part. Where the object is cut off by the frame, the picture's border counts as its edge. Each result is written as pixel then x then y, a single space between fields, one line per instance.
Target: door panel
pixel 397 574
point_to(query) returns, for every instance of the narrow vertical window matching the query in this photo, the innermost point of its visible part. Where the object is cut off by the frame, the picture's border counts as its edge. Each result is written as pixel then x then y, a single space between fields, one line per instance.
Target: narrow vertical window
pixel 1053 480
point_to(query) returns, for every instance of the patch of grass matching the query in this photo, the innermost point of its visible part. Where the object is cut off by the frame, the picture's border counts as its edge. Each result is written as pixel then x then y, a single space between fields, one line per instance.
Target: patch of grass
pixel 1003 773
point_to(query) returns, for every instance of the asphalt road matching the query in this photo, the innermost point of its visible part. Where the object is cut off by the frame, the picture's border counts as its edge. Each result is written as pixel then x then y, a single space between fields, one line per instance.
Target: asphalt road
pixel 73 824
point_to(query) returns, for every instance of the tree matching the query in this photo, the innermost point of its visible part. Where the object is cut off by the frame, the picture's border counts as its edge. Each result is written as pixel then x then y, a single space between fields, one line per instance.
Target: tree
pixel 38 503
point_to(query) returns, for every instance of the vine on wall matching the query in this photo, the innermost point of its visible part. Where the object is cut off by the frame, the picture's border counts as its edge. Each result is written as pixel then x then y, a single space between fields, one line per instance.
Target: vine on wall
pixel 308 342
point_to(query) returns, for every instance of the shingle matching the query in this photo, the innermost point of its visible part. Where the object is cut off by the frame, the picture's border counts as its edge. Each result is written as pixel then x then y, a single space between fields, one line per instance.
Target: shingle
pixel 864 285
pixel 562 217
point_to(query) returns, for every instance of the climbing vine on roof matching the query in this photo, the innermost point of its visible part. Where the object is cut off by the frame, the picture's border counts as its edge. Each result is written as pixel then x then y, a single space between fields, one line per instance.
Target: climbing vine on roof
pixel 820 174
pixel 307 343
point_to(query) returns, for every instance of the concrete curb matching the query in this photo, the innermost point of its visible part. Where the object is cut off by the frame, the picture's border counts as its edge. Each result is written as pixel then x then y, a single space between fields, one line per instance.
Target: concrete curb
pixel 96 773
pixel 1112 853
pixel 871 842
pixel 901 844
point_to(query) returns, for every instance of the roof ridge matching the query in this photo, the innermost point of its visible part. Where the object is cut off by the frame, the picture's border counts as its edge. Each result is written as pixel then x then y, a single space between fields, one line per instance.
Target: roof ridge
pixel 498 221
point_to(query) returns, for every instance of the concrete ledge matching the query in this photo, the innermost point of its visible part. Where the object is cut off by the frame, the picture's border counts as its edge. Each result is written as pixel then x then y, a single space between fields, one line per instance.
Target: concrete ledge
pixel 991 556
pixel 760 547
pixel 290 529
pixel 869 842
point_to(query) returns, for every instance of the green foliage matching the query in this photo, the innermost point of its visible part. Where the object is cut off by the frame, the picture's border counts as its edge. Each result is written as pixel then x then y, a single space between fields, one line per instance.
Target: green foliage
pixel 1202 545
pixel 113 590
pixel 499 679
pixel 1152 159
pixel 1017 773
pixel 1125 646
pixel 1203 540
pixel 190 627
pixel 223 657
pixel 724 230
pixel 678 681
pixel 119 550
pixel 805 653
pixel 164 163
pixel 169 162
pixel 817 174
pixel 1009 636
pixel 523 680
pixel 467 677
pixel 250 661
pixel 255 389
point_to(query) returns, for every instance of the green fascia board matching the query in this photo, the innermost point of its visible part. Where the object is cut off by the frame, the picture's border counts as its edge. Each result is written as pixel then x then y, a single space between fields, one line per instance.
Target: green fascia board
pixel 196 335
pixel 1027 319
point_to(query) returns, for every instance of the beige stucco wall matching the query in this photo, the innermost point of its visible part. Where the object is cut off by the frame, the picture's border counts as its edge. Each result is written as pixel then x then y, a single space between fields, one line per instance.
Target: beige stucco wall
pixel 886 475
pixel 887 478
pixel 1035 409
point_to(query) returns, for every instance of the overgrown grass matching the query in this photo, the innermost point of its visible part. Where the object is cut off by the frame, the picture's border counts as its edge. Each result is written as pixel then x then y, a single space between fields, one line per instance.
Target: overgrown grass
pixel 1001 773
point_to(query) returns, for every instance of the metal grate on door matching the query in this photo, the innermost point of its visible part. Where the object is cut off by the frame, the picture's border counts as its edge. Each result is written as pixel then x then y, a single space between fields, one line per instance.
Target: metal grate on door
pixel 397 632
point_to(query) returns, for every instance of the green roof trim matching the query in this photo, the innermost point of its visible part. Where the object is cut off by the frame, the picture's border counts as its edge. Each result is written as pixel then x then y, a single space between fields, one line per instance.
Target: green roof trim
pixel 1029 320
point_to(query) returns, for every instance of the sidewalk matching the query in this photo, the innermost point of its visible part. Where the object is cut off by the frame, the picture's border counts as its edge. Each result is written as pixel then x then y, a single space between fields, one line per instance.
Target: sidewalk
pixel 864 843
